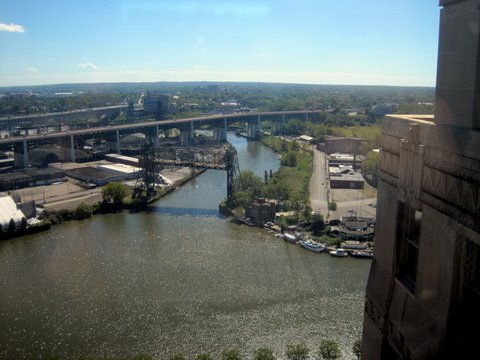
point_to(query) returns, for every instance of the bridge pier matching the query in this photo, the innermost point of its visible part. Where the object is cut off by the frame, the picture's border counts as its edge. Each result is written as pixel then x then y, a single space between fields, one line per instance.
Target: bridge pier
pixel 117 142
pixel 253 131
pixel 68 148
pixel 219 134
pixel 156 139
pixel 21 154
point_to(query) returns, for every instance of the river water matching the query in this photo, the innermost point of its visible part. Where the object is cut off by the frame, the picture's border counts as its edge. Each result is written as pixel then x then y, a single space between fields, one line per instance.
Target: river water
pixel 180 278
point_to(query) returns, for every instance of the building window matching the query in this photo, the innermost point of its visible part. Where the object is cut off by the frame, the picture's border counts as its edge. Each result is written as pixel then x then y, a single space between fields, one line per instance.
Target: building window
pixel 408 239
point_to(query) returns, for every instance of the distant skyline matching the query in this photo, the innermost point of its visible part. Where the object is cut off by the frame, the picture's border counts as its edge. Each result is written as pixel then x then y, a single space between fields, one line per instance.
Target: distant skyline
pixel 351 42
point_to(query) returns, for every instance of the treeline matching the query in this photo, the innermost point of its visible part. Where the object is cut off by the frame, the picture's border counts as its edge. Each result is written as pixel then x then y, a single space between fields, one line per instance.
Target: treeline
pixel 327 350
pixel 289 185
pixel 206 97
pixel 32 104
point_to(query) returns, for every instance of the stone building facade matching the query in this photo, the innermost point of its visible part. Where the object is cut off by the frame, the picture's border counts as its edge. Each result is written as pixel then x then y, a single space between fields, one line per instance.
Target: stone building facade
pixel 423 291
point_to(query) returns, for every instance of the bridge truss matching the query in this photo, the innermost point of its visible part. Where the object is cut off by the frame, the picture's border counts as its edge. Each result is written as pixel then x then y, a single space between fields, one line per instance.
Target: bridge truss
pixel 219 157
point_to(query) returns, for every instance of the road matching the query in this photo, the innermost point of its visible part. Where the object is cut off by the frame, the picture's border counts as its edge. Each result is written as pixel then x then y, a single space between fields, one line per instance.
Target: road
pixel 318 184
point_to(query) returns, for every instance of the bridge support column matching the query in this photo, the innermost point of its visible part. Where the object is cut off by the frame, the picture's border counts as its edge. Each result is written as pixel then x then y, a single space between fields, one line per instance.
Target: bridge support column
pixel 185 138
pixel 252 131
pixel 156 140
pixel 21 154
pixel 306 116
pixel 72 149
pixel 219 134
pixel 117 142
pixel 192 131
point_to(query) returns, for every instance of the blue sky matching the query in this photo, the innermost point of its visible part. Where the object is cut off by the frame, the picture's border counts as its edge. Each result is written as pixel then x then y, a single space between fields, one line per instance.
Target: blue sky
pixel 374 42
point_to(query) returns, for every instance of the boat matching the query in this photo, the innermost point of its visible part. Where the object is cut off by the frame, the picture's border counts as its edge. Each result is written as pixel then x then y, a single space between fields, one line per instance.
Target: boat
pixel 339 253
pixel 309 245
pixel 362 254
pixel 290 238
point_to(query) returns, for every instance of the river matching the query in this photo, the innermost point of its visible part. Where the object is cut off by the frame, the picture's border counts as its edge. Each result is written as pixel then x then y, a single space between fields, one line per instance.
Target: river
pixel 180 278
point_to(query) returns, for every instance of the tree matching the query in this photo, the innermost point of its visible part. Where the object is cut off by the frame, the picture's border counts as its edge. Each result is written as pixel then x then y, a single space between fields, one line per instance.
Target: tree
pixel 114 192
pixel 357 348
pixel 248 181
pixel 231 354
pixel 263 354
pixel 297 203
pixel 329 350
pixel 297 351
pixel 332 205
pixel 82 211
pixel 317 223
pixel 271 173
pixel 265 177
pixel 289 159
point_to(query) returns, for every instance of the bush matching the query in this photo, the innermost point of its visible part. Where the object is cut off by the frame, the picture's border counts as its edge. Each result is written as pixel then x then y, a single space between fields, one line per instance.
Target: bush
pixel 329 350
pixel 82 211
pixel 332 205
pixel 297 351
pixel 231 354
pixel 204 356
pixel 263 354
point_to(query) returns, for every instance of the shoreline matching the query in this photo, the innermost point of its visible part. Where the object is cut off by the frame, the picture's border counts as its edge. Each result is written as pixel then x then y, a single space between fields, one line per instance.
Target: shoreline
pixel 73 202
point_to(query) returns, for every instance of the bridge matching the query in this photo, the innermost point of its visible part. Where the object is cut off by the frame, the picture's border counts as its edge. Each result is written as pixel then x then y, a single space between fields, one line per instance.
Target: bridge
pixel 220 122
pixel 220 157
pixel 9 122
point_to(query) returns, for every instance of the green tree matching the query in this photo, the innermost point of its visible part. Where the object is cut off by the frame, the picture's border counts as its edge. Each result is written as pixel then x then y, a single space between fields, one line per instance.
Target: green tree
pixel 357 348
pixel 271 173
pixel 332 205
pixel 329 350
pixel 114 192
pixel 297 351
pixel 248 181
pixel 231 354
pixel 317 223
pixel 265 177
pixel 297 203
pixel 289 159
pixel 369 165
pixel 263 354
pixel 82 211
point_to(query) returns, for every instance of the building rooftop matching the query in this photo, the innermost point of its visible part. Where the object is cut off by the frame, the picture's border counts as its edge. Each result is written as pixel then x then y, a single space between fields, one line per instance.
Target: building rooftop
pixel 424 118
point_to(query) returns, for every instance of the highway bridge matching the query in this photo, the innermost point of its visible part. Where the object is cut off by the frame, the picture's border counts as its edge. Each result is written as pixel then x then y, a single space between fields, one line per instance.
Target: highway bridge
pixel 21 144
pixel 34 120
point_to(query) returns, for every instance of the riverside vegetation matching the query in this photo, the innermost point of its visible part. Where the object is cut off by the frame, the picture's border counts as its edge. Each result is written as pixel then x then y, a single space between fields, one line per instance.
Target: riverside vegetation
pixel 327 350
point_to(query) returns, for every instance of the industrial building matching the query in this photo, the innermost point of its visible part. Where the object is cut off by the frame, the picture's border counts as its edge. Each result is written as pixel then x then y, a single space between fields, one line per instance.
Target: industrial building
pixel 423 291
pixel 342 176
pixel 261 211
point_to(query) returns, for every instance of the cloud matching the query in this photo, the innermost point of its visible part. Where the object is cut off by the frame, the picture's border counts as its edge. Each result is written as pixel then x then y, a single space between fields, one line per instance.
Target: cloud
pixel 12 27
pixel 88 65
pixel 33 70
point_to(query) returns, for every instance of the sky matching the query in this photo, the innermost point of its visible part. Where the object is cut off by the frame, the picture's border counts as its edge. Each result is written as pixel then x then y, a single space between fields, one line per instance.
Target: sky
pixel 369 42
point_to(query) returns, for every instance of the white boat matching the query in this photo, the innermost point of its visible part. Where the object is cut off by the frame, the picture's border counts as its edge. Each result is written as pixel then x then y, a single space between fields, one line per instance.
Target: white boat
pixel 339 253
pixel 309 245
pixel 290 238
pixel 362 254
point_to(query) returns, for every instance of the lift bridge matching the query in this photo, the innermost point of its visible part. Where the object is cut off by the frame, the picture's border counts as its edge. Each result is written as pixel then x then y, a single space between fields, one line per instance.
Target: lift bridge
pixel 218 157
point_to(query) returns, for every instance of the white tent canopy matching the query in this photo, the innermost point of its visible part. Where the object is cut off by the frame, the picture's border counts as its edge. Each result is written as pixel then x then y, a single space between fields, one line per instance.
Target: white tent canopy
pixel 8 212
